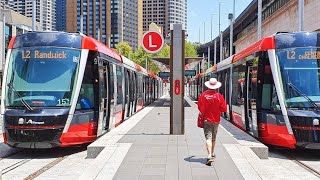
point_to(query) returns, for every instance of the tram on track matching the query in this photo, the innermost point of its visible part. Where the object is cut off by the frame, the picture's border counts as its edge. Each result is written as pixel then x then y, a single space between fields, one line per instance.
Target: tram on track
pixel 64 89
pixel 272 89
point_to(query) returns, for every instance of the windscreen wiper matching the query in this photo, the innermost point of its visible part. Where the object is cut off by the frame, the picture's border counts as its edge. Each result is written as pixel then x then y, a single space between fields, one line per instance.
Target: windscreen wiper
pixel 19 95
pixel 303 95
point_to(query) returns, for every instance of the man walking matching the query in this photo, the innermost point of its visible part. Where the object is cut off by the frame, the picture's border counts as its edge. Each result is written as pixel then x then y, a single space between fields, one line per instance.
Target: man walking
pixel 211 104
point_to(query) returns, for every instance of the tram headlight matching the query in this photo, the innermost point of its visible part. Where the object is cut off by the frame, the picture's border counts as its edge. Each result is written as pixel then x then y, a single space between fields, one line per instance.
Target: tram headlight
pixel 316 122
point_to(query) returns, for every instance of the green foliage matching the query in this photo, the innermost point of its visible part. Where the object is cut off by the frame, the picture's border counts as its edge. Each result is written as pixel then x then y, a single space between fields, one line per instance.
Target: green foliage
pixel 196 45
pixel 165 52
pixel 140 57
pixel 123 48
pixel 190 50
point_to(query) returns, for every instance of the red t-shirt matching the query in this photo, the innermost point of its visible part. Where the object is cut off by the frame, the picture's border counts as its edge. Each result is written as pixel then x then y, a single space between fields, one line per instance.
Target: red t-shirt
pixel 211 104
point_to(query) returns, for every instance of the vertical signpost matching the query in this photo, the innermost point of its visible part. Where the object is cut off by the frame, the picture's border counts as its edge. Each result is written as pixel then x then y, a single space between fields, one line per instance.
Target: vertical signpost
pixel 177 63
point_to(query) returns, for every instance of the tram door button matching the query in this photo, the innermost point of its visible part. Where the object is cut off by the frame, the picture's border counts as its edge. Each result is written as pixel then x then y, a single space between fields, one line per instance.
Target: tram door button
pixel 177 88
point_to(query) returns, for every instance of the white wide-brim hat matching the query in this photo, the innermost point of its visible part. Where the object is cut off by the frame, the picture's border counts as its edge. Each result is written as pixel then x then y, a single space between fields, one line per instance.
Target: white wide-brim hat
pixel 213 83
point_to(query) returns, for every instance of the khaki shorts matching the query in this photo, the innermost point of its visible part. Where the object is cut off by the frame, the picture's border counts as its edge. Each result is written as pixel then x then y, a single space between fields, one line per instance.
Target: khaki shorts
pixel 210 130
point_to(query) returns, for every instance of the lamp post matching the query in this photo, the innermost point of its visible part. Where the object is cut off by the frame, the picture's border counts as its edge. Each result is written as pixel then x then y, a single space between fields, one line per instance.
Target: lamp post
pixel 234 10
pixel 231 34
pixel 204 32
pixel 3 40
pixel 208 56
pixel 34 14
pixel 211 27
pixel 301 11
pixel 211 23
pixel 259 18
pixel 199 35
pixel 221 33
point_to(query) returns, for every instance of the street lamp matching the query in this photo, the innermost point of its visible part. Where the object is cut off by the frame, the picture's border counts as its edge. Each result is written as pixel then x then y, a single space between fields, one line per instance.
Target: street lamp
pixel 221 33
pixel 259 18
pixel 211 23
pixel 301 10
pixel 231 34
pixel 3 39
pixel 204 32
pixel 34 7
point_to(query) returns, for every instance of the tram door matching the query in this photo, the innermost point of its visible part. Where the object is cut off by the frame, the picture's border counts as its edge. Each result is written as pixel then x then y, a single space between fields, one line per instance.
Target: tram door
pixel 131 94
pixel 127 93
pixel 104 108
pixel 251 83
pixel 134 88
pixel 226 86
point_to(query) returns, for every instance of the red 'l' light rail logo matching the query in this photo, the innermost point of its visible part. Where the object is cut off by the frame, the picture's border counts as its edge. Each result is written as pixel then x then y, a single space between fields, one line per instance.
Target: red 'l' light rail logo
pixel 152 41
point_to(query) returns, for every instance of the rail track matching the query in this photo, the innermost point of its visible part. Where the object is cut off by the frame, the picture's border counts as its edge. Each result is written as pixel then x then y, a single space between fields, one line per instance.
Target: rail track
pixel 304 165
pixel 304 158
pixel 24 156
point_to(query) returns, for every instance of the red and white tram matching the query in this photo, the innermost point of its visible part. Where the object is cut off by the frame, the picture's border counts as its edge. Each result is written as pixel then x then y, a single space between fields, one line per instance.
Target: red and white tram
pixel 63 89
pixel 273 89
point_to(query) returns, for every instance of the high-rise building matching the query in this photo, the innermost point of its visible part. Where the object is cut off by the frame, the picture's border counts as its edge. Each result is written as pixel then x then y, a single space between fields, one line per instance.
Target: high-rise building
pixel 45 11
pixel 96 18
pixel 7 4
pixel 126 22
pixel 163 13
pixel 132 22
pixel 154 11
pixel 116 22
pixel 61 10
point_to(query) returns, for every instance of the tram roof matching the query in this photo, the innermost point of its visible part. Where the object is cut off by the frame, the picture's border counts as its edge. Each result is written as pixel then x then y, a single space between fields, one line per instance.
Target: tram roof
pixel 132 65
pixel 95 45
pixel 261 45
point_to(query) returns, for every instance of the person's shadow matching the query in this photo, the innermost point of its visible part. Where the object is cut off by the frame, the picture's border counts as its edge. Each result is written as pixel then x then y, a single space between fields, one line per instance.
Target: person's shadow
pixel 196 160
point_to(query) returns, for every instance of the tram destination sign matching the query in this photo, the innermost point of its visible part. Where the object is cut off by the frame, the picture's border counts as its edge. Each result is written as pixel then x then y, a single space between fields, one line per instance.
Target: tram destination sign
pixel 303 54
pixel 186 73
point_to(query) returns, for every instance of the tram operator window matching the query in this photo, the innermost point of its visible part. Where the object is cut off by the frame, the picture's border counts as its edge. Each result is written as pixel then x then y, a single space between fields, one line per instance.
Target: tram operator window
pixel 86 97
pixel 86 94
pixel 270 101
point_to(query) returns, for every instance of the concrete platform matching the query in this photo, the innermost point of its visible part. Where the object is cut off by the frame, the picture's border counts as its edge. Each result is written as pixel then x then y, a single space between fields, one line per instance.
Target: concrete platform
pixel 150 152
pixel 142 148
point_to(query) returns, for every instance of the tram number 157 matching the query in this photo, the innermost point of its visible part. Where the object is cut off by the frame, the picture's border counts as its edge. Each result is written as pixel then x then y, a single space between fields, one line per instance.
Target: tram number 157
pixel 64 101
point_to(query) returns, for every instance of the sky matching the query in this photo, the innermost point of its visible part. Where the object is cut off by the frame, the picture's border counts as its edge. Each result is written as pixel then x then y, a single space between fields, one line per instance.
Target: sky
pixel 199 16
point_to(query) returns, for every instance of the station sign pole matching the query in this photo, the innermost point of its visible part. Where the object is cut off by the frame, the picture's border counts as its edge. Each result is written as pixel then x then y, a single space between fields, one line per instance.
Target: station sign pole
pixel 177 63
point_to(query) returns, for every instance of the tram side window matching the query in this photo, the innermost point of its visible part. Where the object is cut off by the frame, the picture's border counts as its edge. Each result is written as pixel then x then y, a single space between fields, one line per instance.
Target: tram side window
pixel 270 99
pixel 86 95
pixel 238 85
pixel 119 84
pixel 111 83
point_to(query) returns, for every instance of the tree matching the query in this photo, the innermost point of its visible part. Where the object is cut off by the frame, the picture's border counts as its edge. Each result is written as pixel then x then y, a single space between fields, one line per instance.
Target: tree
pixel 164 52
pixel 141 56
pixel 196 45
pixel 123 48
pixel 190 50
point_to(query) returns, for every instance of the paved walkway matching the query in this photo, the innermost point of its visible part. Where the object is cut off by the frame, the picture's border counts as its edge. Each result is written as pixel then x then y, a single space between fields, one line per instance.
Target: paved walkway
pixel 154 154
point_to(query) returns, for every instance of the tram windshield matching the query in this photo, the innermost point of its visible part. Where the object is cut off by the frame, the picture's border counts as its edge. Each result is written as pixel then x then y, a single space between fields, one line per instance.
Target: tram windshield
pixel 300 72
pixel 42 76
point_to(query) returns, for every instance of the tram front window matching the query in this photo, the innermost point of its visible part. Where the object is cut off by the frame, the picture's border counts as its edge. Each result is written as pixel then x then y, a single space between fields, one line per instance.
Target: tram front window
pixel 43 77
pixel 300 73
